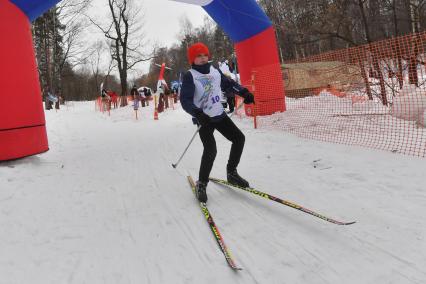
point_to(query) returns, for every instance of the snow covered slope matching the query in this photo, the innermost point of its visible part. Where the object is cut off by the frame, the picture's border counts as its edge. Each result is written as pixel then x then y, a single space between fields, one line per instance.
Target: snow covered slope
pixel 104 205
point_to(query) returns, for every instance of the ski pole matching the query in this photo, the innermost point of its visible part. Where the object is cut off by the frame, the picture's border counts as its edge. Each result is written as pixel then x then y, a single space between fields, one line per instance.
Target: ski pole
pixel 186 149
pixel 195 134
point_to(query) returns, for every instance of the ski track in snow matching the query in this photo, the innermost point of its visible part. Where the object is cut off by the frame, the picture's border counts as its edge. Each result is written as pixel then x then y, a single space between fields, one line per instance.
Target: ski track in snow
pixel 104 205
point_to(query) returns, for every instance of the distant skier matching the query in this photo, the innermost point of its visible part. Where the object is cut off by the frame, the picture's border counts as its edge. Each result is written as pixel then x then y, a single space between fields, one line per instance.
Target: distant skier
pixel 147 94
pixel 224 67
pixel 160 90
pixel 106 100
pixel 166 96
pixel 51 99
pixel 142 97
pixel 200 97
pixel 135 96
pixel 104 94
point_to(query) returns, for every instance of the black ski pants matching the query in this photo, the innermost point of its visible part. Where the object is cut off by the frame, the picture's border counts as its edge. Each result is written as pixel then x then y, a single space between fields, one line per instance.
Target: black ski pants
pixel 231 132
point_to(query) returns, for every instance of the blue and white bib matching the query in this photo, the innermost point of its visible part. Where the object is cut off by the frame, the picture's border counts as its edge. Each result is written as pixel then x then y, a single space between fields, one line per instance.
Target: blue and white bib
pixel 207 91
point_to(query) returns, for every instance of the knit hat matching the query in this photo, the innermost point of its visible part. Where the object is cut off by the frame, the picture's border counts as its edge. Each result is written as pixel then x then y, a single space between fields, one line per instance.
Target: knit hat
pixel 197 49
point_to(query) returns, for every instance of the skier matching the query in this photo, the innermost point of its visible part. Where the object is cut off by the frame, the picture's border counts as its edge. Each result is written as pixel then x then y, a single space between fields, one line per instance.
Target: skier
pixel 135 96
pixel 200 97
pixel 104 94
pixel 142 96
pixel 147 94
pixel 160 90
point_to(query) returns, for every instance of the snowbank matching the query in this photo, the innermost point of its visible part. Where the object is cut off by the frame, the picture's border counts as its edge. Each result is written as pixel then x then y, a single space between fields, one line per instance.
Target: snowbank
pixel 410 104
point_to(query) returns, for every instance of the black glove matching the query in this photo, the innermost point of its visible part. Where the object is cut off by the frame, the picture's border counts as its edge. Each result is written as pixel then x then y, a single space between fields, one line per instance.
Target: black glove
pixel 248 98
pixel 202 118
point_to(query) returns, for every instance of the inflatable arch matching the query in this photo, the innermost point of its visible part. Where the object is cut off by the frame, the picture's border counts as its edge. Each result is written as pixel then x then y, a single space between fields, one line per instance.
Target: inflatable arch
pixel 22 122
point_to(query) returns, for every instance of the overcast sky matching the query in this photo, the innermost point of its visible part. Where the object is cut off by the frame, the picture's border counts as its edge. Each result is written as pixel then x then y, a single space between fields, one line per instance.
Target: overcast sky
pixel 161 21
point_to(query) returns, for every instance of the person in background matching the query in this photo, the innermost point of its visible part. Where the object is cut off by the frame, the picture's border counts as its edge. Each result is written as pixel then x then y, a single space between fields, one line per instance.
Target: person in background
pixel 160 90
pixel 135 96
pixel 147 94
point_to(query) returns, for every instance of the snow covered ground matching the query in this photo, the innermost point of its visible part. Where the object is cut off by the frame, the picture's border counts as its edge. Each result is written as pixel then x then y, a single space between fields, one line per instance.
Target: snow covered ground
pixel 398 129
pixel 104 205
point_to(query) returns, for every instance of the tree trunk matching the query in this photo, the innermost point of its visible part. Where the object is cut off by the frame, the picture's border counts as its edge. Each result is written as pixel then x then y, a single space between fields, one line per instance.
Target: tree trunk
pixel 412 71
pixel 397 48
pixel 412 67
pixel 362 57
pixel 364 21
pixel 381 79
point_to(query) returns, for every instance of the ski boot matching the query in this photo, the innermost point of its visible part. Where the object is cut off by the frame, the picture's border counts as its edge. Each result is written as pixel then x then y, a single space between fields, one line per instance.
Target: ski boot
pixel 200 191
pixel 235 179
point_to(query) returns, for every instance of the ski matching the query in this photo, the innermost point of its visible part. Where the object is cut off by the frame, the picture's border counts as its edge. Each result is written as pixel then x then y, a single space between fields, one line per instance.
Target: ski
pixel 215 230
pixel 281 201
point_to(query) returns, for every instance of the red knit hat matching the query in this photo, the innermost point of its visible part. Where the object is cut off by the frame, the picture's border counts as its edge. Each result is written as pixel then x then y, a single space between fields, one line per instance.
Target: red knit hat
pixel 197 49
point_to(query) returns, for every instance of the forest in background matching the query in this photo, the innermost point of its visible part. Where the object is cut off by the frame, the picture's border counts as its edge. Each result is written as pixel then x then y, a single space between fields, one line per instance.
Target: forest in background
pixel 73 70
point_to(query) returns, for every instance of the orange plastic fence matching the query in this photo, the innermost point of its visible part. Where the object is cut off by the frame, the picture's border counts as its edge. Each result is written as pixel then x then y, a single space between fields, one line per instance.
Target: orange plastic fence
pixel 372 95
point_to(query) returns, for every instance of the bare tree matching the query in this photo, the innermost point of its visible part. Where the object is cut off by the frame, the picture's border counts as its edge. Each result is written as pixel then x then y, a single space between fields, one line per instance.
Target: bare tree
pixel 71 16
pixel 95 61
pixel 124 33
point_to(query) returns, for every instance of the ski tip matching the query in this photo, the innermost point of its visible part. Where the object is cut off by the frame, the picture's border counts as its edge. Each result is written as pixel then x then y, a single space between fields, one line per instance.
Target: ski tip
pixel 348 223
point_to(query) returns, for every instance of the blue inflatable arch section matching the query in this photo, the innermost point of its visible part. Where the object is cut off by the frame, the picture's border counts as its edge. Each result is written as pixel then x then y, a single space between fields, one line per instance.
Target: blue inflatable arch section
pixel 22 122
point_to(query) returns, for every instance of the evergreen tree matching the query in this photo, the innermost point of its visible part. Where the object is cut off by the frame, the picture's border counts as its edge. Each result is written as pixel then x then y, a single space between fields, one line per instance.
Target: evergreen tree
pixel 49 50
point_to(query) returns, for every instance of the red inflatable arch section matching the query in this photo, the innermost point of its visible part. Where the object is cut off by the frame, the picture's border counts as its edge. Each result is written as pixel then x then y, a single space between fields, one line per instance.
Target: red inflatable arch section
pixel 22 123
